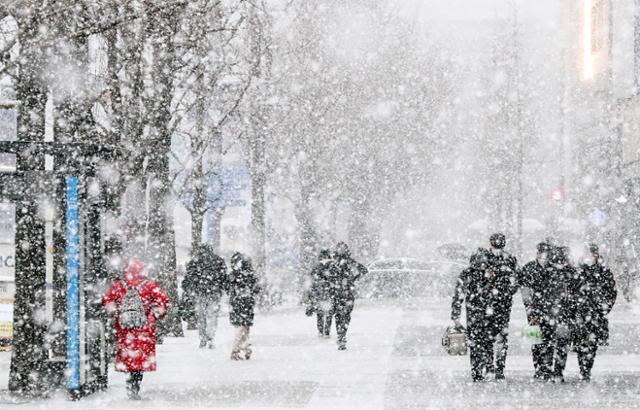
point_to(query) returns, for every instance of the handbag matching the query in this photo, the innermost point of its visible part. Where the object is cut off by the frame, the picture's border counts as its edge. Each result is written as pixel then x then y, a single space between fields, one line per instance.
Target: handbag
pixel 454 341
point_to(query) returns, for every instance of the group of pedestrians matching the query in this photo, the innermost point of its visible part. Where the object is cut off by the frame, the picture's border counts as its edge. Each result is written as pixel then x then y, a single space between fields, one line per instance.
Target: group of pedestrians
pixel 137 303
pixel 332 292
pixel 568 303
pixel 206 281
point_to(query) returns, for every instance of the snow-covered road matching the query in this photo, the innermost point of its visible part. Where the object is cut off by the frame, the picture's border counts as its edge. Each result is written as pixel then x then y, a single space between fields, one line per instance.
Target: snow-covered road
pixel 394 361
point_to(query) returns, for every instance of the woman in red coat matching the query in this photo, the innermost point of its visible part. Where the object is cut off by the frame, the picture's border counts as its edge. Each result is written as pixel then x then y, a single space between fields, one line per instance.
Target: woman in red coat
pixel 136 347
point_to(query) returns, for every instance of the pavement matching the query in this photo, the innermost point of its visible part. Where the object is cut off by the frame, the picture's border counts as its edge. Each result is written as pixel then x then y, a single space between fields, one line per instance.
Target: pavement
pixel 394 361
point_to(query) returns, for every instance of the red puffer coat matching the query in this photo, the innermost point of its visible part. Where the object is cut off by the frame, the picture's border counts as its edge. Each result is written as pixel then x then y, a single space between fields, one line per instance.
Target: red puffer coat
pixel 136 348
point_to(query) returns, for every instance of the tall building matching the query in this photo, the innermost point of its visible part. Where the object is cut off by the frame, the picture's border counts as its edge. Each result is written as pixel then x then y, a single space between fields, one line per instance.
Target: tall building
pixel 602 124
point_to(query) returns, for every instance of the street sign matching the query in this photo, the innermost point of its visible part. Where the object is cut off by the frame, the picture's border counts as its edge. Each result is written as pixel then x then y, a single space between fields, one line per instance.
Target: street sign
pixel 225 188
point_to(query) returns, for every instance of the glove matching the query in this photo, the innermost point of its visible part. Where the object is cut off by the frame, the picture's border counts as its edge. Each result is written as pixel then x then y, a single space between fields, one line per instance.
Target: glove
pixel 309 311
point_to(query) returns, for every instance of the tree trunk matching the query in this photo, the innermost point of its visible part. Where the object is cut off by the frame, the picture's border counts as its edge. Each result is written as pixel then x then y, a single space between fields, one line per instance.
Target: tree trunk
pixel 258 206
pixel 197 221
pixel 308 234
pixel 161 235
pixel 362 240
pixel 216 230
pixel 259 119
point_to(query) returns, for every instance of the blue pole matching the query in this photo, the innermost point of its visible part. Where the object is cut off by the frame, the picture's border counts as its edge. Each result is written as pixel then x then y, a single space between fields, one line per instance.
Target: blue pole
pixel 72 244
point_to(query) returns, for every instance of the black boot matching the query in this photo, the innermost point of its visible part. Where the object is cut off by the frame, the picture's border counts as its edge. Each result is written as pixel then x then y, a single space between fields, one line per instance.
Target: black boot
pixel 133 385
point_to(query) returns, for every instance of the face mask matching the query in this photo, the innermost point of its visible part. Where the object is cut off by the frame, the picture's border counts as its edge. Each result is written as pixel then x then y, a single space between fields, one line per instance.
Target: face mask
pixel 496 252
pixel 588 260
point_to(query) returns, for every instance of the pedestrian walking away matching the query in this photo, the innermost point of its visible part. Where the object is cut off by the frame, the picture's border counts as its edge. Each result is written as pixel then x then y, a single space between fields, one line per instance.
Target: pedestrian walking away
pixel 503 274
pixel 243 289
pixel 343 274
pixel 557 313
pixel 206 280
pixel 595 291
pixel 319 299
pixel 474 291
pixel 532 279
pixel 137 302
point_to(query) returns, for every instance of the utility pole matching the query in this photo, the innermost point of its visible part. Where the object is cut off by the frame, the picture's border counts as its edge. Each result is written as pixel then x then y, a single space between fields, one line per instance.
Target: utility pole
pixel 28 354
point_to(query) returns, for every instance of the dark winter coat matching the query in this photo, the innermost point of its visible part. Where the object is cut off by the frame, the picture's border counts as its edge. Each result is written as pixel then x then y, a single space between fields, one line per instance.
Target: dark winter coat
pixel 206 274
pixel 320 287
pixel 557 304
pixel 243 289
pixel 136 348
pixel 474 290
pixel 503 272
pixel 595 295
pixel 341 278
pixel 532 281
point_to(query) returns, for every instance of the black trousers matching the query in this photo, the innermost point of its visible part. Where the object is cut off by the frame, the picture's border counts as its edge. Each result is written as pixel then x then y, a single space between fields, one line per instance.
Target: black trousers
pixel 537 353
pixel 501 346
pixel 481 357
pixel 554 350
pixel 343 311
pixel 324 319
pixel 488 345
pixel 586 358
pixel 134 380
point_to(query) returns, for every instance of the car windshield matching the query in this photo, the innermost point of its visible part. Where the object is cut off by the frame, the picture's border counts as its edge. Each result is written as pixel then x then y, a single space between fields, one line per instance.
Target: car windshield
pixel 386 265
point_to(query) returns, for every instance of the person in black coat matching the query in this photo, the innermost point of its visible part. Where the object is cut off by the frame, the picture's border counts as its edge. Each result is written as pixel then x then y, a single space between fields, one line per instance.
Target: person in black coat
pixel 342 277
pixel 503 270
pixel 557 313
pixel 187 307
pixel 243 289
pixel 595 295
pixel 320 293
pixel 474 288
pixel 205 281
pixel 532 281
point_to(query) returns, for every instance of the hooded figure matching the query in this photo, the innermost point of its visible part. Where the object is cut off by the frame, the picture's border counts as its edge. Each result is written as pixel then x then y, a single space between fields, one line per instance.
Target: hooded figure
pixel 243 289
pixel 595 295
pixel 342 277
pixel 136 347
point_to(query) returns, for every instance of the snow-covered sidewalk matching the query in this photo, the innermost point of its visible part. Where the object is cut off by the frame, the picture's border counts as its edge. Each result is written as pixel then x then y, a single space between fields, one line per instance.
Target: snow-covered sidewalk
pixel 394 360
pixel 291 367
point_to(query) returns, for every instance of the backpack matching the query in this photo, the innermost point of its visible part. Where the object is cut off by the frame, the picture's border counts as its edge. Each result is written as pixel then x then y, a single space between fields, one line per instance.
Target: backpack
pixel 131 311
